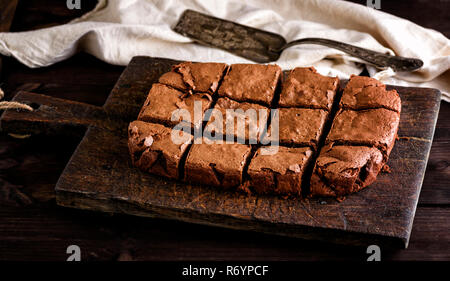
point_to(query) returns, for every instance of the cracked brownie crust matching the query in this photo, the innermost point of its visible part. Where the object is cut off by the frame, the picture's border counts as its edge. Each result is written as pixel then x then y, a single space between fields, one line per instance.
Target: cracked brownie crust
pixel 162 101
pixel 341 170
pixel 368 93
pixel 370 127
pixel 301 126
pixel 239 112
pixel 153 150
pixel 280 173
pixel 251 83
pixel 216 164
pixel 199 77
pixel 306 88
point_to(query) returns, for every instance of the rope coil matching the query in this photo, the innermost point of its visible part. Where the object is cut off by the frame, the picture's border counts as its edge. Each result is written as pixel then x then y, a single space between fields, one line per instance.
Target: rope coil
pixel 14 105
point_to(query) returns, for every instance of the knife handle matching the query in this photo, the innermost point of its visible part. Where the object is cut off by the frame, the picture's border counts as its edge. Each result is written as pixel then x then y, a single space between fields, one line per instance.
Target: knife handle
pixel 378 59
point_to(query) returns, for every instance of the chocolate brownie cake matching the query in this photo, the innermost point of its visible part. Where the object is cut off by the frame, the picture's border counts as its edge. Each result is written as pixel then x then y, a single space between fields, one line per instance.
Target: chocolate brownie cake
pixel 251 83
pixel 199 77
pixel 153 150
pixel 162 101
pixel 369 127
pixel 300 126
pixel 280 173
pixel 341 170
pixel 216 164
pixel 368 93
pixel 306 88
pixel 238 114
pixel 326 147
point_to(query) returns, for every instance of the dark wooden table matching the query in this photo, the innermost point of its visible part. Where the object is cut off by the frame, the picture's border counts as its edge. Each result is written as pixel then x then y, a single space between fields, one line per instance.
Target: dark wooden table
pixel 33 227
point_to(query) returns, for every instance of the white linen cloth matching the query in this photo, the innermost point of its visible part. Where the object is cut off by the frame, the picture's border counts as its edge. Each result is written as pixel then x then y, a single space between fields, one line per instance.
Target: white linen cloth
pixel 117 30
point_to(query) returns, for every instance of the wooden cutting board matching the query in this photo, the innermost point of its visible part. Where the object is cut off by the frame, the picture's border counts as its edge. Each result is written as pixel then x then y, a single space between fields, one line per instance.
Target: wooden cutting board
pixel 100 177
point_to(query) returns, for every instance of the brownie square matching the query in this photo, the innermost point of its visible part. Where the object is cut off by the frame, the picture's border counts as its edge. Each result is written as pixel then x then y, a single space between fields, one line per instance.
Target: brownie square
pixel 372 127
pixel 153 150
pixel 341 170
pixel 299 126
pixel 199 77
pixel 162 101
pixel 304 87
pixel 280 173
pixel 216 164
pixel 251 83
pixel 368 93
pixel 255 121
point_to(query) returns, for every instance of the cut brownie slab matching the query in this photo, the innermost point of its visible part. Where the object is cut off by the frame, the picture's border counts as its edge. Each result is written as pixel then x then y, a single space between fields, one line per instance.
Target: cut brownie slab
pixel 372 127
pixel 216 164
pixel 251 83
pixel 241 120
pixel 304 87
pixel 341 170
pixel 299 126
pixel 200 77
pixel 368 93
pixel 280 173
pixel 153 150
pixel 162 101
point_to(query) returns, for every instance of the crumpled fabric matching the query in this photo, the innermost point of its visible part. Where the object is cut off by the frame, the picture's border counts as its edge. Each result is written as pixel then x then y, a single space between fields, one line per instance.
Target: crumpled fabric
pixel 115 31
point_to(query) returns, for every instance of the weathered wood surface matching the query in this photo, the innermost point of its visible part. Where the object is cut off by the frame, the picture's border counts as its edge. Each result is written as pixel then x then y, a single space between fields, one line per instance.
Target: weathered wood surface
pixel 33 228
pixel 100 176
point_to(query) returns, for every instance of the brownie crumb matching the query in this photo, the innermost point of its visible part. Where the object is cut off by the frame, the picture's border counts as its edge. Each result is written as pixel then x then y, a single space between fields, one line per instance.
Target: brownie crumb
pixel 386 169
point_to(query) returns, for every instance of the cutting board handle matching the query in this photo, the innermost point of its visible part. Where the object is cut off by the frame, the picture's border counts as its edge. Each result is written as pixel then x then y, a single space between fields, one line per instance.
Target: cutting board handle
pixel 50 116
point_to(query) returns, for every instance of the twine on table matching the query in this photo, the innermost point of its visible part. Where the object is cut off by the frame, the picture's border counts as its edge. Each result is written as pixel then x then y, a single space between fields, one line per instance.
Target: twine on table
pixel 14 105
